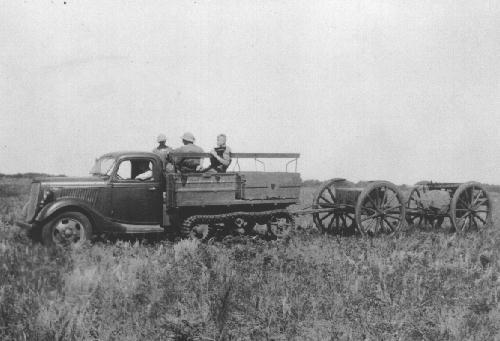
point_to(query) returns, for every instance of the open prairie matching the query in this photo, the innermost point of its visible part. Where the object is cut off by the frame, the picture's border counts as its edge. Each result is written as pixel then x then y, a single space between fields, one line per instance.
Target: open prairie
pixel 416 285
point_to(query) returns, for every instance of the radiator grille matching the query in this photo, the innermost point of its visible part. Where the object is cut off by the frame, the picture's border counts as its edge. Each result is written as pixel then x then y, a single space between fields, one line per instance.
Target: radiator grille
pixel 87 194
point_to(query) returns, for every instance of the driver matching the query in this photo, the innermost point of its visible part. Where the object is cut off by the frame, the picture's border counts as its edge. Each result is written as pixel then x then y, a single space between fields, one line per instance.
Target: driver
pixel 145 172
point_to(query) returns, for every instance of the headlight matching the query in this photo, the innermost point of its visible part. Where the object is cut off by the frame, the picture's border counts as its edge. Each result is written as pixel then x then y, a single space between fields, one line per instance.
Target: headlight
pixel 24 212
pixel 48 195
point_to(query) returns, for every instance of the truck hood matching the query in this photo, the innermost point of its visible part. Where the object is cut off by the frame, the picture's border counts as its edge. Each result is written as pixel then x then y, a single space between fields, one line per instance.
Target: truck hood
pixel 71 181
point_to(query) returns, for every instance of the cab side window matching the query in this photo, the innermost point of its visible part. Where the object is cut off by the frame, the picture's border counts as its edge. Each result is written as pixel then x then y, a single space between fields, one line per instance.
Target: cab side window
pixel 135 170
pixel 124 171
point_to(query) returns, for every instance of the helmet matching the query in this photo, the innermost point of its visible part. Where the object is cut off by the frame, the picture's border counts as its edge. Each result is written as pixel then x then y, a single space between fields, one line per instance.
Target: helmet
pixel 161 138
pixel 188 137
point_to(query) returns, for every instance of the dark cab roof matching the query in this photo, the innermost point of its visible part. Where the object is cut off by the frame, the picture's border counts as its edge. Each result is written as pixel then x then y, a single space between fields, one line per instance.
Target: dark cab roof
pixel 130 153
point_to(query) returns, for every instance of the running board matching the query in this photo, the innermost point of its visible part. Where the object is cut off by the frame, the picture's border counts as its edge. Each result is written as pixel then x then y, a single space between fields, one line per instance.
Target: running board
pixel 129 228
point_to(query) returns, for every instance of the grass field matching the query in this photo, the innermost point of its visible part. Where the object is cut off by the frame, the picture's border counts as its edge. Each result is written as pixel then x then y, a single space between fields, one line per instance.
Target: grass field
pixel 417 285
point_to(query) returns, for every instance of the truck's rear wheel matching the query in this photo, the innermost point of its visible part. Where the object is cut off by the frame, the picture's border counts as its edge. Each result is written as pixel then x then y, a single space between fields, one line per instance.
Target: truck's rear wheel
pixel 280 225
pixel 202 232
pixel 67 228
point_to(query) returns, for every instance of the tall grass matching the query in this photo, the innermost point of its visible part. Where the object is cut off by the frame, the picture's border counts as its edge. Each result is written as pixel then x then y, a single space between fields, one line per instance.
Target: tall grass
pixel 418 285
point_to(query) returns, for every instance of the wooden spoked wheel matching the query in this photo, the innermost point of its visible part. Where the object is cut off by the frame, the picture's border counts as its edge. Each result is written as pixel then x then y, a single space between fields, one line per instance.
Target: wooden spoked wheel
pixel 470 208
pixel 380 209
pixel 335 221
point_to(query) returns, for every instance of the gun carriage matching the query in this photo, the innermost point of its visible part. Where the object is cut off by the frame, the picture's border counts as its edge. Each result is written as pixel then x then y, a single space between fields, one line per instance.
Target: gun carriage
pixel 340 208
pixel 466 205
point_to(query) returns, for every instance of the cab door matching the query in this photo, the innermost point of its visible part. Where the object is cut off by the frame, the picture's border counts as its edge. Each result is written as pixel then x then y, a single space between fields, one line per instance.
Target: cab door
pixel 135 201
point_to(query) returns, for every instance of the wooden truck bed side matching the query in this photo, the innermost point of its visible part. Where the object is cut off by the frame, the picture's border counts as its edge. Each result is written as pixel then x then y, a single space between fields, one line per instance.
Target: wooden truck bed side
pixel 270 185
pixel 235 188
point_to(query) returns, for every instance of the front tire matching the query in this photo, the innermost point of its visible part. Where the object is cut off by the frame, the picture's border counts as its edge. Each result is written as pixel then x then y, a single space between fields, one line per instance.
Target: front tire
pixel 67 229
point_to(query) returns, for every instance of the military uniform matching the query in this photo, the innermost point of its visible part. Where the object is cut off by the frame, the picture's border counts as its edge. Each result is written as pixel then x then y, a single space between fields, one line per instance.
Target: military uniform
pixel 184 164
pixel 162 152
pixel 146 175
pixel 220 166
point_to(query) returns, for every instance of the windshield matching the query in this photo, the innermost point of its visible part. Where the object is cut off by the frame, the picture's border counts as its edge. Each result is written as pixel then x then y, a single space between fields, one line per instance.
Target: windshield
pixel 103 166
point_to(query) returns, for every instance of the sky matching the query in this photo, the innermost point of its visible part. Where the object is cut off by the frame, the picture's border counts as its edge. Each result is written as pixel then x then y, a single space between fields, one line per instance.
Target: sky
pixel 396 90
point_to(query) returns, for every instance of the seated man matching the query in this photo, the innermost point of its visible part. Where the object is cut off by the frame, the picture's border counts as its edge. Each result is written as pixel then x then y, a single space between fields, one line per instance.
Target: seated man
pixel 144 172
pixel 221 156
pixel 185 164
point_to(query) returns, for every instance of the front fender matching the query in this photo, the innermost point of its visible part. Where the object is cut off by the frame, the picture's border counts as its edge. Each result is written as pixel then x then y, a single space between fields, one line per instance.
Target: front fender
pixel 70 204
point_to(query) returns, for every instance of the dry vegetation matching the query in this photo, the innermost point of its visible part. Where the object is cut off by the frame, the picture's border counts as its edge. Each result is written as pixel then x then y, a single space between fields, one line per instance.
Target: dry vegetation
pixel 418 285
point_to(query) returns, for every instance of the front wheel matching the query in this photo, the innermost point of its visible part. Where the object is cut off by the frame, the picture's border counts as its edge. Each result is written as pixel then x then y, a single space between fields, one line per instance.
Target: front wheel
pixel 66 229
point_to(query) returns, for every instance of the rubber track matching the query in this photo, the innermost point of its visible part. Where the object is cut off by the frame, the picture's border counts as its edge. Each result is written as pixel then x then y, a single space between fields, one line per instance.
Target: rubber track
pixel 194 220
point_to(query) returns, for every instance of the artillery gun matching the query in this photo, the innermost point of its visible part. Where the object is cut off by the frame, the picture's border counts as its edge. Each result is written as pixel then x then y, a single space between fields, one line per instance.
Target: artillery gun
pixel 466 205
pixel 340 208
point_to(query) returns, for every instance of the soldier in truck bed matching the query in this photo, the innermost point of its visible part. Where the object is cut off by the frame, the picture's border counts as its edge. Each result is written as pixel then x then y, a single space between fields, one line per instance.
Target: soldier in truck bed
pixel 162 150
pixel 185 164
pixel 221 156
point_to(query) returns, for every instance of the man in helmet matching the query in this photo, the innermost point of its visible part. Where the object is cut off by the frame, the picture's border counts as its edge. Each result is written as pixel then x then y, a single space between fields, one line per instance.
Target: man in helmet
pixel 221 156
pixel 162 150
pixel 184 164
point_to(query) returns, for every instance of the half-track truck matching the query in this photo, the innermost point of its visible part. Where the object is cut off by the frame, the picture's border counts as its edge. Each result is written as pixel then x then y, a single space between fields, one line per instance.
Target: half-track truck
pixel 68 210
